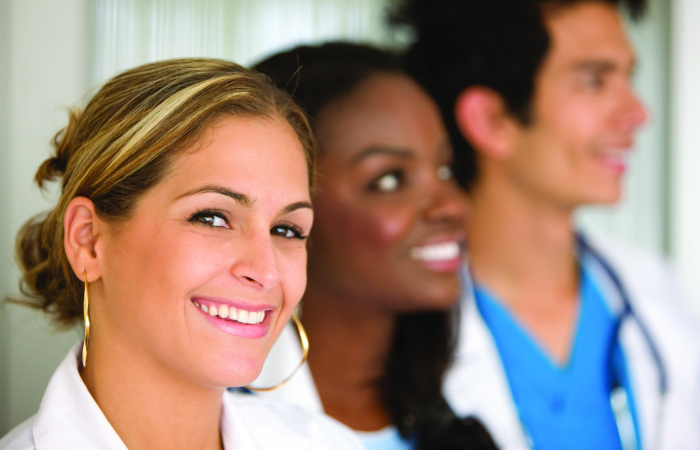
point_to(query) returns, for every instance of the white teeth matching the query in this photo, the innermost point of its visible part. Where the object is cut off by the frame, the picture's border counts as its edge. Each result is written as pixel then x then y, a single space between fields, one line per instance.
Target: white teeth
pixel 231 313
pixel 437 252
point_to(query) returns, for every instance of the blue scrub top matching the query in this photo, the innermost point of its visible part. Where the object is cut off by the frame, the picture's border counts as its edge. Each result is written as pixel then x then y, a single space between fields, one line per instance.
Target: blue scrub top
pixel 563 406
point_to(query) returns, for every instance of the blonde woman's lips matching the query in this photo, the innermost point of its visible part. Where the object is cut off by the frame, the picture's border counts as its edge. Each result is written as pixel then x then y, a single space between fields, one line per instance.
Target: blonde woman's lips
pixel 241 320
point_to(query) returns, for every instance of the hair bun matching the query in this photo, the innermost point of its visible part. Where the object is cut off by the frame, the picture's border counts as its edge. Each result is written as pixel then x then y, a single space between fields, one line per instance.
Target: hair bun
pixel 64 143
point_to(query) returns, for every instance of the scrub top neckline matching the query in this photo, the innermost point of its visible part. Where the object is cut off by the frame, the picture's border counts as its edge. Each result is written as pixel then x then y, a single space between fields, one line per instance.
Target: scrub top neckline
pixel 530 339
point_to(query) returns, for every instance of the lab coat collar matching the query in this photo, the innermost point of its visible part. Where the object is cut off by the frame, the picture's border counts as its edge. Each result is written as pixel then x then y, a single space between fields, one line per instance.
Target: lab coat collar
pixel 69 419
pixel 68 416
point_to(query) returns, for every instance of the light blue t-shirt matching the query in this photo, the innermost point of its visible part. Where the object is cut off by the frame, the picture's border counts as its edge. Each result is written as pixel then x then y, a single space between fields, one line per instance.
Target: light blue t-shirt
pixel 385 439
pixel 563 406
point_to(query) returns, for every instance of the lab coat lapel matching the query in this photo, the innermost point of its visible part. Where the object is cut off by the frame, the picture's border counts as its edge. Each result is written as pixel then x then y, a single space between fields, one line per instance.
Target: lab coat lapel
pixel 642 368
pixel 68 416
pixel 477 384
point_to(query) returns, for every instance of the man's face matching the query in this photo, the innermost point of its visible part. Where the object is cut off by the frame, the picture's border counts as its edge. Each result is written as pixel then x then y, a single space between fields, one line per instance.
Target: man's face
pixel 585 111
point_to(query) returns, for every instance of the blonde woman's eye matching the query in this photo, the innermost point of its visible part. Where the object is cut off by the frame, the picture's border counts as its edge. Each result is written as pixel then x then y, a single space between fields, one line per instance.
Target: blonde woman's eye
pixel 287 231
pixel 214 219
pixel 389 182
pixel 444 173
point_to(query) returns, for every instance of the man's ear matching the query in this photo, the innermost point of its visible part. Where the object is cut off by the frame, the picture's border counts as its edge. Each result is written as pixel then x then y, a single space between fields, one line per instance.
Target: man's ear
pixel 82 239
pixel 483 118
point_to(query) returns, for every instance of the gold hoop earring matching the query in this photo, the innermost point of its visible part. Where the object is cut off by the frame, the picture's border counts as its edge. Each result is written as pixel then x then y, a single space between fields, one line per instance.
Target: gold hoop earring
pixel 86 315
pixel 304 340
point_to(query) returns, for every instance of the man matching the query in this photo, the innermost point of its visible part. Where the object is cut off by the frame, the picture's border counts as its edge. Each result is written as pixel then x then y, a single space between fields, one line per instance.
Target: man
pixel 538 100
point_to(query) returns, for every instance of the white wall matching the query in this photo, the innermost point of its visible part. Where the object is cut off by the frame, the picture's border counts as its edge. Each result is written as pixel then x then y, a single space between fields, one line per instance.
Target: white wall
pixel 5 248
pixel 48 65
pixel 685 141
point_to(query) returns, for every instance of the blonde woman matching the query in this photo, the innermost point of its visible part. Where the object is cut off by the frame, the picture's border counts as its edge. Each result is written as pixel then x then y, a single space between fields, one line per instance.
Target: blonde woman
pixel 179 240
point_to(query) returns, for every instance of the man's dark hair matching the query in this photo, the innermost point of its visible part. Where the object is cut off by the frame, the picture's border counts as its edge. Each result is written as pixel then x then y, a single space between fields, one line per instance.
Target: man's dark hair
pixel 499 44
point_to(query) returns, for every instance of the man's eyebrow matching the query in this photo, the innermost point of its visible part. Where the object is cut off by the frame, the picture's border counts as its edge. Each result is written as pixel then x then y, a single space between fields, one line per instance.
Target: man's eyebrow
pixel 603 65
pixel 298 205
pixel 596 66
pixel 387 151
pixel 242 199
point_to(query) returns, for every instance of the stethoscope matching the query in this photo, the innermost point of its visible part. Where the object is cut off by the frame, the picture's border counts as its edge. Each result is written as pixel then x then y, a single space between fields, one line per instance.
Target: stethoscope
pixel 627 313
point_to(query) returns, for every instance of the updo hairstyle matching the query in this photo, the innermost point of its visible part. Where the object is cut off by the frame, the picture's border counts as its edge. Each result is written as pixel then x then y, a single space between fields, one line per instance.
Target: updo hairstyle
pixel 123 143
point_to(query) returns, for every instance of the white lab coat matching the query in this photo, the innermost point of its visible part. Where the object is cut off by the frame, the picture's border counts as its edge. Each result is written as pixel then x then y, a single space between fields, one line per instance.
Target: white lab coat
pixel 477 384
pixel 69 419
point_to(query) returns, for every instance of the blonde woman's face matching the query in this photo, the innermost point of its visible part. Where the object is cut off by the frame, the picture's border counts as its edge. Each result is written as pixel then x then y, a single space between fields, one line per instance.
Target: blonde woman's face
pixel 204 276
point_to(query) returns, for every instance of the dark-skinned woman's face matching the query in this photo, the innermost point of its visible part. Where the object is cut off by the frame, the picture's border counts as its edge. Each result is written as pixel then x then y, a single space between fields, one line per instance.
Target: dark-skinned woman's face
pixel 389 224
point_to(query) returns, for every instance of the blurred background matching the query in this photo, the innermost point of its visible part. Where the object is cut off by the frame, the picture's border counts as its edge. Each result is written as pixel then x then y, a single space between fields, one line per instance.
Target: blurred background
pixel 53 52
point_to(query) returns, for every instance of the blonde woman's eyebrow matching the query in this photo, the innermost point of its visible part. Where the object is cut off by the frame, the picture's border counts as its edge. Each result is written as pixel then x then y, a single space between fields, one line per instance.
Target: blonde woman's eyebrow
pixel 298 205
pixel 241 199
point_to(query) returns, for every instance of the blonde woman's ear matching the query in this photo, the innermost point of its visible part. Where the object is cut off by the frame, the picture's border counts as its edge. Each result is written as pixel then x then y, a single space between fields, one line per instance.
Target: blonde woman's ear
pixel 82 238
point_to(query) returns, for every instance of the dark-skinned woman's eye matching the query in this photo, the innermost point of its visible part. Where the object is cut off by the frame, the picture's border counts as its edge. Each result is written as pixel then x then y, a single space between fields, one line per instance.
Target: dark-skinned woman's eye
pixel 389 182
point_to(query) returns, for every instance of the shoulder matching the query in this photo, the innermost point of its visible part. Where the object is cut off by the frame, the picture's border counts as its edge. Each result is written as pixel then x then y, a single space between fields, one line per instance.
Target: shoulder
pixel 20 438
pixel 627 258
pixel 650 278
pixel 657 297
pixel 272 419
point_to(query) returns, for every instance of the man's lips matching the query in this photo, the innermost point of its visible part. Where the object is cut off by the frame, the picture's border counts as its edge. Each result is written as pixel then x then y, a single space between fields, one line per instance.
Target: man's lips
pixel 615 158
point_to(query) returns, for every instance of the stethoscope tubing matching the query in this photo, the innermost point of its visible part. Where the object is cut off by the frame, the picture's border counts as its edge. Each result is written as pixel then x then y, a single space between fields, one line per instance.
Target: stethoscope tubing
pixel 628 311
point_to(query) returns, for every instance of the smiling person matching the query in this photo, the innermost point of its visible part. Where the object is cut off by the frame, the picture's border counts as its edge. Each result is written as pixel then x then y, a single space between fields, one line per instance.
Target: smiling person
pixel 569 341
pixel 385 252
pixel 179 239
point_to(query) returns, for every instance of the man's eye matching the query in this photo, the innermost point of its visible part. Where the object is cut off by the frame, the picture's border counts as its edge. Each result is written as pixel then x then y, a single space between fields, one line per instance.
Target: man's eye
pixel 389 182
pixel 593 81
pixel 287 231
pixel 210 219
pixel 444 173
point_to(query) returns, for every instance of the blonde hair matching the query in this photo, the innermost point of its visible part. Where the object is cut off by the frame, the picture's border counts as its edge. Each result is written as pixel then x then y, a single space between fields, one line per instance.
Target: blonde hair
pixel 122 144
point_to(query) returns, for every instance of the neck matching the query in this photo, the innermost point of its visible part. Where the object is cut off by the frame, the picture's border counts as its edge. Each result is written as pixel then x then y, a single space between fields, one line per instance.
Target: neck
pixel 521 244
pixel 523 249
pixel 145 403
pixel 350 346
